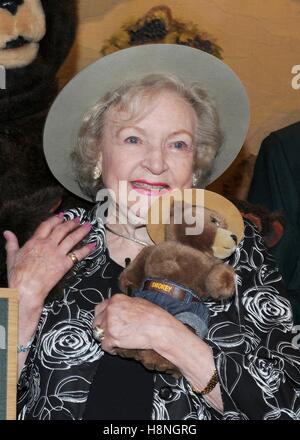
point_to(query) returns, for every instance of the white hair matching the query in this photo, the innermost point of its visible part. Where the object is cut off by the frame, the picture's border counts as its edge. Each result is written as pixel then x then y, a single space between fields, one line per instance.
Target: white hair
pixel 133 97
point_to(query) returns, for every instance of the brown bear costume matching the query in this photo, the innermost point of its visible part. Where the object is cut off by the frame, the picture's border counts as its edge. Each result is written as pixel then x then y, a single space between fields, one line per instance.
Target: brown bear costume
pixel 35 38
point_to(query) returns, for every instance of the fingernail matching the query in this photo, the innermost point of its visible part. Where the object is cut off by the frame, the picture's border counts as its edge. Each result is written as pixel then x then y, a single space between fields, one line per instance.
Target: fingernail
pixel 4 234
pixel 76 220
pixel 92 245
pixel 87 225
pixel 60 214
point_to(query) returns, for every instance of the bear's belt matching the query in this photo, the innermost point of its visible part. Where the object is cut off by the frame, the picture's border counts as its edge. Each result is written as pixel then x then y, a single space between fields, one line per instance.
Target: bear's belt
pixel 179 292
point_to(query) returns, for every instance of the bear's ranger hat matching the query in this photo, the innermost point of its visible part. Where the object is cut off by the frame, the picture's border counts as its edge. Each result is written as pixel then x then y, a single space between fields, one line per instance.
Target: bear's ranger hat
pixel 108 73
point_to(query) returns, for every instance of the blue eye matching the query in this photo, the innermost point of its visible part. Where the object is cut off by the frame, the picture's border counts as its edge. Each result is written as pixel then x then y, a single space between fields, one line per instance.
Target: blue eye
pixel 132 140
pixel 179 145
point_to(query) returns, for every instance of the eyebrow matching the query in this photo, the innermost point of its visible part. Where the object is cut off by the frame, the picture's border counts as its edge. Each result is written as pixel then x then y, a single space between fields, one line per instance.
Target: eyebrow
pixel 174 133
pixel 129 127
pixel 182 131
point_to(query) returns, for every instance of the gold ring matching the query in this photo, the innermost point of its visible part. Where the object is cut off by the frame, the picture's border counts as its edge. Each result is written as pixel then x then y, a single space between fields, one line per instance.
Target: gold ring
pixel 98 333
pixel 73 257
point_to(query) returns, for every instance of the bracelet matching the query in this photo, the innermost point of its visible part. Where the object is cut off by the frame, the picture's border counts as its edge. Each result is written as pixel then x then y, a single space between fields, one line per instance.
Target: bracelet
pixel 24 348
pixel 210 386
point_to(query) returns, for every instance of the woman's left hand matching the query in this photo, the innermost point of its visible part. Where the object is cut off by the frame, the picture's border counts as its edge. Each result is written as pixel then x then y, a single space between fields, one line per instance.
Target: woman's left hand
pixel 130 322
pixel 137 323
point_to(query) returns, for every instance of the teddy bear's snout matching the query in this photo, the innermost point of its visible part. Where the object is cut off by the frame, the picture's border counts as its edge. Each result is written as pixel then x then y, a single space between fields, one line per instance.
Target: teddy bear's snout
pixel 11 5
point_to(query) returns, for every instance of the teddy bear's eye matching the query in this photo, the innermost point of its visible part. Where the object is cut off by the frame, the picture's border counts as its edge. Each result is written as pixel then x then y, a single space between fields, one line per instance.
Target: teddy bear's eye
pixel 215 221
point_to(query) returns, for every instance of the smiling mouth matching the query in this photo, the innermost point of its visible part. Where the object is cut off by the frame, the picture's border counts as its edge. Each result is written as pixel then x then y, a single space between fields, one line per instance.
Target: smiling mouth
pixel 147 186
pixel 16 43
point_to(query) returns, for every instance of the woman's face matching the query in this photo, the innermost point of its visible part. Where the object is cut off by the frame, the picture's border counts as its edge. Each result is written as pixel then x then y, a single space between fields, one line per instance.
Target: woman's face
pixel 149 156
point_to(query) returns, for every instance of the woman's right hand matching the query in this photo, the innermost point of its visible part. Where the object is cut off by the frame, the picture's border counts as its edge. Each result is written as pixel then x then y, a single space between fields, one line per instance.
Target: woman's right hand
pixel 35 268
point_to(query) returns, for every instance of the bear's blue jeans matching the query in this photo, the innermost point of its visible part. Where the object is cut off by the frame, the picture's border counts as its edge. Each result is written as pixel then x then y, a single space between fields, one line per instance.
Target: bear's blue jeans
pixel 194 314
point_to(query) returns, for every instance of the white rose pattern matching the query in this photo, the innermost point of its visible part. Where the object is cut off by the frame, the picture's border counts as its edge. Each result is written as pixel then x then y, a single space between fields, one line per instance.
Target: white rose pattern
pixel 267 370
pixel 250 337
pixel 68 343
pixel 267 310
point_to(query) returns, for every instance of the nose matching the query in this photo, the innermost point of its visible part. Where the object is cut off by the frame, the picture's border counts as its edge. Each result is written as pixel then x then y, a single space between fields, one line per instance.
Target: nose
pixel 155 161
pixel 234 238
pixel 11 5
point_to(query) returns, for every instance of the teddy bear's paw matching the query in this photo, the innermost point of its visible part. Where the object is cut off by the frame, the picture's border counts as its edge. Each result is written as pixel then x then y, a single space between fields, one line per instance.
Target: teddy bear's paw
pixel 220 282
pixel 128 353
pixel 155 362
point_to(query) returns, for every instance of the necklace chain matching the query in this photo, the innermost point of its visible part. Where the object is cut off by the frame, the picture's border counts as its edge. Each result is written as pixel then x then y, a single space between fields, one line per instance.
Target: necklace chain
pixel 143 243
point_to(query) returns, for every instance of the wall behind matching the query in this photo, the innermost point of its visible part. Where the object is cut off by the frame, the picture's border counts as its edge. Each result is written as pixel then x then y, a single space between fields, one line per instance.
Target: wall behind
pixel 260 41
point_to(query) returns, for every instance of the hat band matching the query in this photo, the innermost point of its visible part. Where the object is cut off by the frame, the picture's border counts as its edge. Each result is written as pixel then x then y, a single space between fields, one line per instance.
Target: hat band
pixel 170 288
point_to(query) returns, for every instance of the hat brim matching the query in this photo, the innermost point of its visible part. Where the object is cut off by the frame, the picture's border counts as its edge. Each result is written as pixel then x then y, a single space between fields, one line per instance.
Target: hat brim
pixel 191 65
pixel 160 208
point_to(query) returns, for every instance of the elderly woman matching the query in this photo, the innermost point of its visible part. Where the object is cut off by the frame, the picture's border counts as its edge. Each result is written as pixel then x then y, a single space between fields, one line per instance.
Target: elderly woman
pixel 153 134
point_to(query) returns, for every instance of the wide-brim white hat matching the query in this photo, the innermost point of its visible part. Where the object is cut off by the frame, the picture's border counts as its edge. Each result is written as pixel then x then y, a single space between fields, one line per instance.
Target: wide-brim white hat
pixel 191 65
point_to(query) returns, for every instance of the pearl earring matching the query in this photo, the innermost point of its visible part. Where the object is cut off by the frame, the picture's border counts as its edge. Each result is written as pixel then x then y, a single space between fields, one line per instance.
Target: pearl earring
pixel 194 180
pixel 96 173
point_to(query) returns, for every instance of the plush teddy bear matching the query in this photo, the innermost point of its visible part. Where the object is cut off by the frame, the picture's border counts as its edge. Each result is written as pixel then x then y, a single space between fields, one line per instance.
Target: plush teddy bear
pixel 179 273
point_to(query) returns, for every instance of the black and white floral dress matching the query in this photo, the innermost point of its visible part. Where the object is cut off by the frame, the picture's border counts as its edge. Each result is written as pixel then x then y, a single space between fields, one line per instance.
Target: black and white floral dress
pixel 251 336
